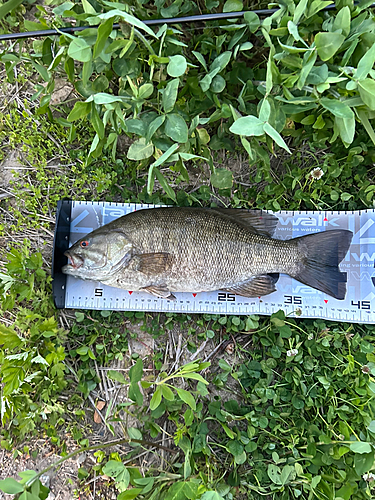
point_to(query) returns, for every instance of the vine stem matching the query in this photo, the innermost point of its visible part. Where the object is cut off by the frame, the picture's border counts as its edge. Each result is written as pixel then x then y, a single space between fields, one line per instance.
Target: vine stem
pixel 96 447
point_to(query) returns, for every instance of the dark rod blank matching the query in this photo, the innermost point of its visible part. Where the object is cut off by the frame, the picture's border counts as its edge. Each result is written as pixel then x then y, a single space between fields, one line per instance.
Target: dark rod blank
pixel 148 22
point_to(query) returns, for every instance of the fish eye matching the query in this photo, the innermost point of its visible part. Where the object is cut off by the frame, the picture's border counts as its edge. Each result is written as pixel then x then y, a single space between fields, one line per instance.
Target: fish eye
pixel 84 244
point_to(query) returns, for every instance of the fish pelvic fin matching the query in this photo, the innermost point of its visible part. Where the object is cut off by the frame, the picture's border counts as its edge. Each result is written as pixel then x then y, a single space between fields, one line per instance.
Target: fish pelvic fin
pixel 256 286
pixel 322 254
pixel 160 291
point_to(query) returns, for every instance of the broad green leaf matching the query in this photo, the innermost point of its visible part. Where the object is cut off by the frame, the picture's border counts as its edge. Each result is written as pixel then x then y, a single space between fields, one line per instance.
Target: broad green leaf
pixel 220 62
pixel 145 91
pixel 342 21
pixel 136 371
pixel 269 130
pixel 265 111
pixel 365 64
pixel 291 49
pixel 136 126
pixel 87 7
pixel 140 150
pixel 189 156
pixel 248 126
pixel 222 178
pixel 97 122
pixel 316 6
pixel 42 71
pixel 366 123
pixel 164 157
pixel 104 31
pixel 206 82
pixel 116 375
pixel 327 44
pixel 211 495
pixel 346 128
pixel 218 84
pixel 187 397
pixel 286 473
pixel 128 18
pixel 274 473
pixel 195 376
pixel 9 338
pixel 167 392
pixel 58 11
pixel 363 462
pixel 228 431
pixel 233 6
pixel 315 481
pixel 337 108
pixel 79 50
pixel 129 494
pixel 252 21
pixel 300 10
pixel 366 89
pixel 164 184
pixel 201 59
pixel 154 126
pixel 309 59
pixel 269 75
pixel 156 398
pixel 360 447
pixel 176 128
pixel 175 492
pixel 293 30
pixel 170 95
pixel 87 70
pixel 8 7
pixel 103 98
pixel 135 393
pixel 10 486
pixel 177 66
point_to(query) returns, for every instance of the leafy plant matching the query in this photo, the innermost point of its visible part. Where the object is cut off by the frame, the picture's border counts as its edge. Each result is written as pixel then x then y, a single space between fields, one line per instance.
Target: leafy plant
pixel 32 366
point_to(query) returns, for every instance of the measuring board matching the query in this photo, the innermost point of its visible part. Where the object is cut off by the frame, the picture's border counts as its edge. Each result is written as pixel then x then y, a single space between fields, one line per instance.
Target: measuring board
pixel 76 219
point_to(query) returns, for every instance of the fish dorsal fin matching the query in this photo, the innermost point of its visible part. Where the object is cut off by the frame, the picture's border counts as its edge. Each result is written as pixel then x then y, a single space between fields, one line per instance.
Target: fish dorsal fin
pixel 257 221
pixel 154 263
pixel 257 286
pixel 160 291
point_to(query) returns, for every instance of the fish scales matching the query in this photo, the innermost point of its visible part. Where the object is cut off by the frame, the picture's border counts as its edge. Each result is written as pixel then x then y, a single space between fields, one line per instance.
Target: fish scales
pixel 168 250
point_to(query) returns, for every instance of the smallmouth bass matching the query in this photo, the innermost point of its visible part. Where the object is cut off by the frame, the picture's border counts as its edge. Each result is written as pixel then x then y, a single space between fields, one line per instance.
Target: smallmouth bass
pixel 166 250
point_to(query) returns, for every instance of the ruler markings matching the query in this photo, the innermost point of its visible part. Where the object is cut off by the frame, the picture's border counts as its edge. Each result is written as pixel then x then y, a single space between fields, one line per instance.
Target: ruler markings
pixel 290 295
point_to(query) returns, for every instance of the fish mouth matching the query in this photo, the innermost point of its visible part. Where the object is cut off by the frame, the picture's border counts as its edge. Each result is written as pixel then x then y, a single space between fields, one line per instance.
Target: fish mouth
pixel 75 261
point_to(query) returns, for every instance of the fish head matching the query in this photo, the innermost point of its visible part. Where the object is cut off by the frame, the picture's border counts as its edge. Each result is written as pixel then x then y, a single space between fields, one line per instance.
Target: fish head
pixel 99 255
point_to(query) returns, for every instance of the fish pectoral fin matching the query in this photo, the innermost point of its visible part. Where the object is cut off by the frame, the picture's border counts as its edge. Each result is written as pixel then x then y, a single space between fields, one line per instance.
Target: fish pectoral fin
pixel 154 263
pixel 256 221
pixel 160 291
pixel 257 286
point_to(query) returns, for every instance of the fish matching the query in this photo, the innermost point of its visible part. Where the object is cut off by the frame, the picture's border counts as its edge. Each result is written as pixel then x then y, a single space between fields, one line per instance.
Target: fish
pixel 184 249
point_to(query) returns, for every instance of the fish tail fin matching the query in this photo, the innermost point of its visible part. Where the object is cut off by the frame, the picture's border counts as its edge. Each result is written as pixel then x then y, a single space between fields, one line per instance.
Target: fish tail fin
pixel 322 254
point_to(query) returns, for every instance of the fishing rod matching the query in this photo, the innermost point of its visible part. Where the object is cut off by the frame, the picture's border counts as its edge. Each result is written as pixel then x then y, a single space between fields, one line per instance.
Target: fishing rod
pixel 149 22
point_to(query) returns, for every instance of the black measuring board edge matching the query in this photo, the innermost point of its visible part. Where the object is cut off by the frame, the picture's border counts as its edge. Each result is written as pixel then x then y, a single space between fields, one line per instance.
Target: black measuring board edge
pixel 60 245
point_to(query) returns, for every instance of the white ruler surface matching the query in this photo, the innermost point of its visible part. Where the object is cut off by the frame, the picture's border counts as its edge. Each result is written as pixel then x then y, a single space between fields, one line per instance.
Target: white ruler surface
pixel 291 296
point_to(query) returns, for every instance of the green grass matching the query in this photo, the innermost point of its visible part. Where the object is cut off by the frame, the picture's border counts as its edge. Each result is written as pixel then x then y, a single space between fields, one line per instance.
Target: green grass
pixel 288 410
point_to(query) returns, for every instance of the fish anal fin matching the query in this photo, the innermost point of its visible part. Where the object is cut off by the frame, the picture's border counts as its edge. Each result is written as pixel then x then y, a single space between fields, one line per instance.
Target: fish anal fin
pixel 154 263
pixel 160 291
pixel 257 221
pixel 256 286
